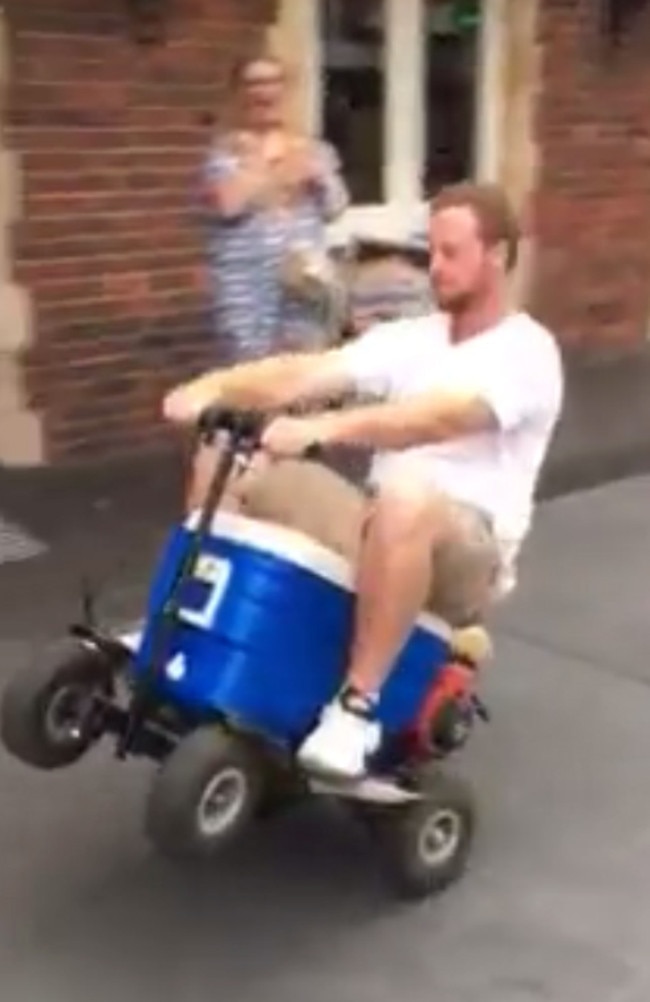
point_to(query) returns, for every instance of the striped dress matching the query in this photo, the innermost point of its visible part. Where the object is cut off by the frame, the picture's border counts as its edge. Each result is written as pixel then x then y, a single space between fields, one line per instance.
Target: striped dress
pixel 254 316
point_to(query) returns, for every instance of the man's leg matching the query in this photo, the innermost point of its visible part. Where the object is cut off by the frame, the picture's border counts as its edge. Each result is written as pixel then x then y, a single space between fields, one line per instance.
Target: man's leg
pixel 394 575
pixel 395 579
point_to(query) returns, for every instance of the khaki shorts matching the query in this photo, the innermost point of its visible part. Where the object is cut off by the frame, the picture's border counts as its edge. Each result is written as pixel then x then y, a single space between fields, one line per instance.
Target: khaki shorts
pixel 314 500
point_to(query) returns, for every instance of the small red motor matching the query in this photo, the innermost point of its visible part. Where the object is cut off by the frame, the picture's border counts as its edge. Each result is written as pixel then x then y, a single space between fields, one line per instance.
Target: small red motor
pixel 446 715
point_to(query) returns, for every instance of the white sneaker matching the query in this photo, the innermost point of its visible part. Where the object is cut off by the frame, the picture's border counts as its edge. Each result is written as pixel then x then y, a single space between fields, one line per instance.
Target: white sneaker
pixel 341 744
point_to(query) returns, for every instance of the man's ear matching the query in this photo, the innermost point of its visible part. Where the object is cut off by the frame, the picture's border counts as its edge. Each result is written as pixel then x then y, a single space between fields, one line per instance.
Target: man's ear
pixel 499 255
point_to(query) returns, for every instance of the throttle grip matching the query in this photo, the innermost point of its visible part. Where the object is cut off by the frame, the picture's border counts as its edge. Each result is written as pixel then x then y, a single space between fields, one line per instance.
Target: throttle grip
pixel 240 425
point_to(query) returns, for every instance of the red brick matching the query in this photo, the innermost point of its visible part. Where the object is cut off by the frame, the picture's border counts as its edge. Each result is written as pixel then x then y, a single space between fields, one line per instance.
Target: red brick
pixel 592 208
pixel 126 285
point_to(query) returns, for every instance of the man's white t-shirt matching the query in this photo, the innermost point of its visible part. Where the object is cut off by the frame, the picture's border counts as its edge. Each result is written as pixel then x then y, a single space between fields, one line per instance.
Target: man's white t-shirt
pixel 514 366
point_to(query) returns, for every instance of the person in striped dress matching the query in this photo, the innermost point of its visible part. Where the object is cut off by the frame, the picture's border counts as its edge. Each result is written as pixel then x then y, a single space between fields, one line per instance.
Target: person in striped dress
pixel 269 194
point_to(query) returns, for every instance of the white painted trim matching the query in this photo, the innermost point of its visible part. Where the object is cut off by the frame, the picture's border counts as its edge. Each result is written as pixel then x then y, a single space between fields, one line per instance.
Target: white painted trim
pixel 393 220
pixel 308 14
pixel 488 124
pixel 298 549
pixel 404 113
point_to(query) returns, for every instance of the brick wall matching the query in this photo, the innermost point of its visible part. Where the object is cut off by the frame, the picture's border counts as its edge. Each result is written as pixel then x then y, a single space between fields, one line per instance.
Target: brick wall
pixel 111 137
pixel 592 214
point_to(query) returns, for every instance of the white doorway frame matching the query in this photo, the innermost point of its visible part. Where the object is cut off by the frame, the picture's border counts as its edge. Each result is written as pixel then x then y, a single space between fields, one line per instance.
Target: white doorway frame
pixel 404 111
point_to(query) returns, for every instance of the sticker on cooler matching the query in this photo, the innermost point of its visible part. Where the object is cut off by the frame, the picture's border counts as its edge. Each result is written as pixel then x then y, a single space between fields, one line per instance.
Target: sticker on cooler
pixel 177 668
pixel 214 572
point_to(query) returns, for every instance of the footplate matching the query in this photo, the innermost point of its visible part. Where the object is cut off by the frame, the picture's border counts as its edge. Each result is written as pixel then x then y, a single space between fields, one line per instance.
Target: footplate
pixel 371 789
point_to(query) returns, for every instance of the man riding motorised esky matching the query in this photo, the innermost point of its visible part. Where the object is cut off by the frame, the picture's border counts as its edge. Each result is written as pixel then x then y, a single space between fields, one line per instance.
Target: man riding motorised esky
pixel 468 400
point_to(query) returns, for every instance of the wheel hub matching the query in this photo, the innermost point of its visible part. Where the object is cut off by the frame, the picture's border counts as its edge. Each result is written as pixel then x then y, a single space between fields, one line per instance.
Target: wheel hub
pixel 440 837
pixel 66 715
pixel 223 800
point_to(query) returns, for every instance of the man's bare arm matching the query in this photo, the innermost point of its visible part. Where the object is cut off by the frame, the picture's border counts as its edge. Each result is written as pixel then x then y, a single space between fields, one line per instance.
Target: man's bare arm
pixel 423 419
pixel 265 385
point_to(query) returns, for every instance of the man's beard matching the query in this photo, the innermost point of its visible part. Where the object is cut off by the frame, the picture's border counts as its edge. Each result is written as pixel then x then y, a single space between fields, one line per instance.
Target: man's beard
pixel 457 302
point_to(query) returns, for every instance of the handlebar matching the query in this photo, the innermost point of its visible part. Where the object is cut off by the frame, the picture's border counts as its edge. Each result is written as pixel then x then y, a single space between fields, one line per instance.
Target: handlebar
pixel 245 428
pixel 242 426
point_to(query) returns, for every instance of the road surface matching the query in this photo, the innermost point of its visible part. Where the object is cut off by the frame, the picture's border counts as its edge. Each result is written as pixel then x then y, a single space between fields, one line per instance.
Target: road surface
pixel 555 907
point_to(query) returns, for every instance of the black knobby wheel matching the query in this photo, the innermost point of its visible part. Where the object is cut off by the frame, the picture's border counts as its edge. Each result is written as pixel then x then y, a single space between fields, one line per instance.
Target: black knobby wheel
pixel 205 793
pixel 426 844
pixel 47 717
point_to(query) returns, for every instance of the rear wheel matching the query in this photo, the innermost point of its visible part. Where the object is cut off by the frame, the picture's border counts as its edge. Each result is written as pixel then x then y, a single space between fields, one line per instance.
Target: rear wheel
pixel 48 713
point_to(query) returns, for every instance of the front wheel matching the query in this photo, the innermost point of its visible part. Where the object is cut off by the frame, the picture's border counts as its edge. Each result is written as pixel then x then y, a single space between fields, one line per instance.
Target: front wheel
pixel 47 717
pixel 426 844
pixel 205 793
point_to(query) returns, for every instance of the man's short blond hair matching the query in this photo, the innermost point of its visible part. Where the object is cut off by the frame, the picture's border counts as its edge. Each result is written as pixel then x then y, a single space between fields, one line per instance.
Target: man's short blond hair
pixel 495 215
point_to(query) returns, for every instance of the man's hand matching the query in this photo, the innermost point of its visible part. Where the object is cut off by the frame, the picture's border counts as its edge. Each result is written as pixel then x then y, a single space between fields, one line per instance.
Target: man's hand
pixel 185 404
pixel 290 438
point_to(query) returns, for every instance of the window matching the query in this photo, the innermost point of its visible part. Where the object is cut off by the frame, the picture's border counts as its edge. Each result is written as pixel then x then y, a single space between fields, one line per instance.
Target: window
pixel 353 90
pixel 451 65
pixel 405 90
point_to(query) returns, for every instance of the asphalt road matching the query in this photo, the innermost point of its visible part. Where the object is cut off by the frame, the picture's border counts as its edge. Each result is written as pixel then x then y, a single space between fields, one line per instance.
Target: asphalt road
pixel 555 906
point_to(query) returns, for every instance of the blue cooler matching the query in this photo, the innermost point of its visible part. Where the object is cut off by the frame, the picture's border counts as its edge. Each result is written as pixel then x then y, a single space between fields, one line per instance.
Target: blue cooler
pixel 264 631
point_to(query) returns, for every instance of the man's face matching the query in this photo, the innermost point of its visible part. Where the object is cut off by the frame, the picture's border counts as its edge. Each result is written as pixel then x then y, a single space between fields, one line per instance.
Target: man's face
pixel 462 267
